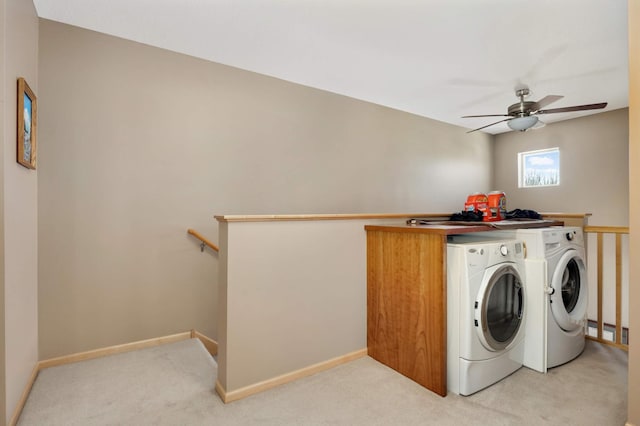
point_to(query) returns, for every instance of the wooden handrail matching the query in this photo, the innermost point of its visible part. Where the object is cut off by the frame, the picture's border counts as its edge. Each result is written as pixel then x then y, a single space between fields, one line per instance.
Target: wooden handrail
pixel 618 231
pixel 607 229
pixel 204 241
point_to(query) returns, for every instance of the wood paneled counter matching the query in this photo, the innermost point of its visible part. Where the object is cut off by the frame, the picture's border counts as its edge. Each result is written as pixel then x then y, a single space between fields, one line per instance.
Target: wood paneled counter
pixel 407 299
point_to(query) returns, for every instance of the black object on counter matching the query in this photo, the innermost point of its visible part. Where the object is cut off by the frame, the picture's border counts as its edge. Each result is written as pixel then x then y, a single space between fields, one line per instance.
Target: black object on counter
pixel 477 216
pixel 523 214
pixel 467 216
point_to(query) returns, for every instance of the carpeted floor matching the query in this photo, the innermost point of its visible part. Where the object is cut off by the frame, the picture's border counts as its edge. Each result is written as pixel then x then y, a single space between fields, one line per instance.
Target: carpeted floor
pixel 173 384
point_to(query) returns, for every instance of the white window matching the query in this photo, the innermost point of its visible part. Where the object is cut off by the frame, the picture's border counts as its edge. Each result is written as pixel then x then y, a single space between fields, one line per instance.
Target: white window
pixel 539 168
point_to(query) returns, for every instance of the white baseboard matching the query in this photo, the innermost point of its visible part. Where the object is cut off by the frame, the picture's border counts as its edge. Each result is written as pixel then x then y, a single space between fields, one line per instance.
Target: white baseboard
pixel 111 350
pixel 287 377
pixel 210 344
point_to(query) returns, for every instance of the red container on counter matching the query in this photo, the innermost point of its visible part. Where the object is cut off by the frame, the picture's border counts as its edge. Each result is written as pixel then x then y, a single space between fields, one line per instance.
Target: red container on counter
pixel 477 202
pixel 496 206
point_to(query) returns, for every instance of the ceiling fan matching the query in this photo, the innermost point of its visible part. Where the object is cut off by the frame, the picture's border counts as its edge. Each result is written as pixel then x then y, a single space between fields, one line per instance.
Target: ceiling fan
pixel 523 115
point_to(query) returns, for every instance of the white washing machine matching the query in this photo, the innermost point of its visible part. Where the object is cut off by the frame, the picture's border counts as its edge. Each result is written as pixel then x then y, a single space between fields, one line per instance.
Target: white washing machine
pixel 557 293
pixel 485 313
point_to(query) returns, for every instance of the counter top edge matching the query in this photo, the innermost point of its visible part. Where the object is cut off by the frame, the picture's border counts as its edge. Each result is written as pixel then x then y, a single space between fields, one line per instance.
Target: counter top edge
pixel 430 229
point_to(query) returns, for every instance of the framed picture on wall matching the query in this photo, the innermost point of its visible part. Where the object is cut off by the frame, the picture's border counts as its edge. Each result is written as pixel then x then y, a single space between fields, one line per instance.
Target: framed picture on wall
pixel 27 125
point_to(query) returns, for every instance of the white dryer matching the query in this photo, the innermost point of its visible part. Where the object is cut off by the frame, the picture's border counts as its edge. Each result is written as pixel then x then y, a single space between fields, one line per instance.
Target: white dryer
pixel 485 313
pixel 558 265
pixel 557 293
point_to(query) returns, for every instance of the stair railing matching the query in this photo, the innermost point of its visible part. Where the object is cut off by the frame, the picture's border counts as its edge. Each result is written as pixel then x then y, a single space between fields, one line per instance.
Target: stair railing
pixel 203 241
pixel 600 231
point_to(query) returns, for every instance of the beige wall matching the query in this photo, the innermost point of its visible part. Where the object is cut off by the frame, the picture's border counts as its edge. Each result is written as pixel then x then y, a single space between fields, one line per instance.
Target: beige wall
pixel 634 202
pixel 594 171
pixel 3 136
pixel 295 295
pixel 20 209
pixel 142 143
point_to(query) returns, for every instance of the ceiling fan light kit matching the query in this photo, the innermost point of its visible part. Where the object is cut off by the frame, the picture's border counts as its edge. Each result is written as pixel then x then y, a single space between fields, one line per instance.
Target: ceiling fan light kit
pixel 524 114
pixel 522 123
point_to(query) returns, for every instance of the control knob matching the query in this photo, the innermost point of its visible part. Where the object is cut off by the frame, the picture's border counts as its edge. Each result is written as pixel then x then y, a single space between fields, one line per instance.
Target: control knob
pixel 503 250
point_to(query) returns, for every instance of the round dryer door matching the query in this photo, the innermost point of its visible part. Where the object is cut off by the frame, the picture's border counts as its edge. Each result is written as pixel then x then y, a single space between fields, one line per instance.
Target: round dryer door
pixel 569 296
pixel 499 307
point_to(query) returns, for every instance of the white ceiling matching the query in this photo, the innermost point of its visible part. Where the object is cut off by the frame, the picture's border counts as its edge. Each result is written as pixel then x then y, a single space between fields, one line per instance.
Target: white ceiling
pixel 440 59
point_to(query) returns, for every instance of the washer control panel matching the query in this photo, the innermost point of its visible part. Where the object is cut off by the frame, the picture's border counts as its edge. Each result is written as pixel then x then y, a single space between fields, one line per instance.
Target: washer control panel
pixel 483 252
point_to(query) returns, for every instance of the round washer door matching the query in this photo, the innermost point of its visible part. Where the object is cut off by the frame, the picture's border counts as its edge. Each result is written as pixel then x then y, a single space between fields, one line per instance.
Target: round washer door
pixel 499 307
pixel 569 297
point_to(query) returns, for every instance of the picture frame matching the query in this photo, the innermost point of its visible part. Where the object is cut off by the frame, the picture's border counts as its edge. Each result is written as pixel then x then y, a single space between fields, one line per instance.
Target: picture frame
pixel 27 125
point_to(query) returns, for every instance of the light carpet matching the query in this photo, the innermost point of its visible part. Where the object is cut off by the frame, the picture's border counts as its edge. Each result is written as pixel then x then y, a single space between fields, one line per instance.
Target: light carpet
pixel 173 384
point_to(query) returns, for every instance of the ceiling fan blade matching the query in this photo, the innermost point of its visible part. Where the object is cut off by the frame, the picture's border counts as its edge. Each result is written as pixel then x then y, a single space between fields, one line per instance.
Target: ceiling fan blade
pixel 486 115
pixel 545 101
pixel 573 108
pixel 480 128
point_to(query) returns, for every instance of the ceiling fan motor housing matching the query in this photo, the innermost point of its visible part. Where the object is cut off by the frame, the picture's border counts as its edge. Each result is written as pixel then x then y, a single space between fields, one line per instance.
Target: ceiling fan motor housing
pixel 520 109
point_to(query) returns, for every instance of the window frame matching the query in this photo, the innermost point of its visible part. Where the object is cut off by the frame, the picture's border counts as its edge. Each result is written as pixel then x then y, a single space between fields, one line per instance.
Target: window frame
pixel 523 169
